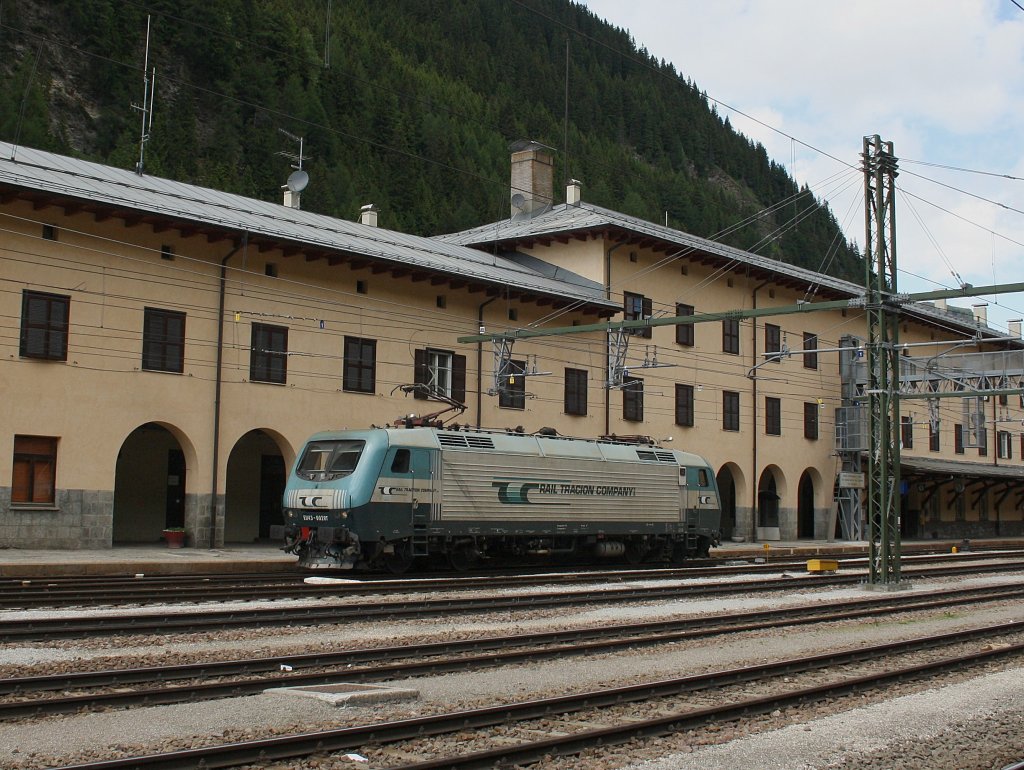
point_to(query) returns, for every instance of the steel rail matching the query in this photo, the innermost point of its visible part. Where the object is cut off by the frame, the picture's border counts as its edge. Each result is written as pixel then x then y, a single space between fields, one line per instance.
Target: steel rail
pixel 569 642
pixel 46 592
pixel 350 738
pixel 178 621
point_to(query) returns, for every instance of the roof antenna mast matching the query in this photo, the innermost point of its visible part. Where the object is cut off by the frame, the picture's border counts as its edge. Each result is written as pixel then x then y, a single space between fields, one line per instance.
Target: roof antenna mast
pixel 148 94
pixel 298 179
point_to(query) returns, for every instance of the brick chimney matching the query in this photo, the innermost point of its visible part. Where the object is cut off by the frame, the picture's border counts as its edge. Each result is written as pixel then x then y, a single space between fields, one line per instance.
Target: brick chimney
pixel 532 179
pixel 980 313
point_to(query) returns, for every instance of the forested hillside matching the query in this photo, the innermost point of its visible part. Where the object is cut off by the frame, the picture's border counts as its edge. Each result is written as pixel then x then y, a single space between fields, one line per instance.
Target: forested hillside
pixel 411 105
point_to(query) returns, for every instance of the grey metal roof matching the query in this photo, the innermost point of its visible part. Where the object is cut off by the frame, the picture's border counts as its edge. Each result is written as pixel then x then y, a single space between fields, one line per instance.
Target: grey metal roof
pixel 564 218
pixel 960 469
pixel 45 172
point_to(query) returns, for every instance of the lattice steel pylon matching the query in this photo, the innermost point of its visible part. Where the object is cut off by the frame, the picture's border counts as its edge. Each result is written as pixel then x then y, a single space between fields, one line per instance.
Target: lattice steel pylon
pixel 883 476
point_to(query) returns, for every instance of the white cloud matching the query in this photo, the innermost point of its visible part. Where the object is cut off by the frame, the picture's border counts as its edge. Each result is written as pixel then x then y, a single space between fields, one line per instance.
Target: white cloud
pixel 943 81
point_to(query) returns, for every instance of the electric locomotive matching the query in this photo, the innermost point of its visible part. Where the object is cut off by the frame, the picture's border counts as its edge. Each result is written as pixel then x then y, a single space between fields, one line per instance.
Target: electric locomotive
pixel 386 498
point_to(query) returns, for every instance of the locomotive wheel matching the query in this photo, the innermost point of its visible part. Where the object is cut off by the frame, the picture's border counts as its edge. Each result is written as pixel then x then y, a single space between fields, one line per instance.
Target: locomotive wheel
pixel 462 557
pixel 400 560
pixel 634 553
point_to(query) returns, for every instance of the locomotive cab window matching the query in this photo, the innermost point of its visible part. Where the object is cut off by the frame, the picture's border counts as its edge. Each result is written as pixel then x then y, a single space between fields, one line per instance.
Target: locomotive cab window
pixel 401 462
pixel 328 460
pixel 697 477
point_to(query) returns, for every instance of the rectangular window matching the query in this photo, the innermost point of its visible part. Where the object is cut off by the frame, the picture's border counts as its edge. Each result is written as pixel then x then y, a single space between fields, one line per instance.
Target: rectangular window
pixel 907 431
pixel 1003 399
pixel 1005 446
pixel 35 470
pixel 633 400
pixel 983 449
pixel 958 439
pixel 684 332
pixel 810 350
pixel 730 336
pixel 44 326
pixel 163 340
pixel 811 420
pixel 772 416
pixel 772 341
pixel 440 372
pixel 513 391
pixel 933 437
pixel 268 359
pixel 730 410
pixel 359 368
pixel 684 405
pixel 636 307
pixel 576 391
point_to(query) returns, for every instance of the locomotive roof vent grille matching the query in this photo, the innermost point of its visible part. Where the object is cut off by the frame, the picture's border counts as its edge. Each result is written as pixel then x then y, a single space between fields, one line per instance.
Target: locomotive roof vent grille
pixel 655 456
pixel 462 441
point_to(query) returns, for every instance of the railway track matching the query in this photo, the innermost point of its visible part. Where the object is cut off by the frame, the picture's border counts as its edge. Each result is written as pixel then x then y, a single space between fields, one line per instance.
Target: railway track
pixel 24 696
pixel 34 593
pixel 402 736
pixel 187 621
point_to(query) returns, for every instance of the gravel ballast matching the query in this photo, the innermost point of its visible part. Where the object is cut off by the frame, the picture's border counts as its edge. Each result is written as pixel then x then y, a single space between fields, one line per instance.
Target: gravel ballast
pixel 991 704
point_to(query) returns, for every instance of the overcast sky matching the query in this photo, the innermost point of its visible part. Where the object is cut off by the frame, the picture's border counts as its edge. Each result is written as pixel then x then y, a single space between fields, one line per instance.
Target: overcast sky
pixel 943 80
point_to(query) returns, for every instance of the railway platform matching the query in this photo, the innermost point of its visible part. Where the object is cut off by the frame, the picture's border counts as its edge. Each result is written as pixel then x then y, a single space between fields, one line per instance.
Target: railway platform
pixel 158 559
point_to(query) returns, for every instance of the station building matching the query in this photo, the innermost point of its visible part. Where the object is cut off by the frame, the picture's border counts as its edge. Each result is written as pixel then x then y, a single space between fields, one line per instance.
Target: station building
pixel 167 349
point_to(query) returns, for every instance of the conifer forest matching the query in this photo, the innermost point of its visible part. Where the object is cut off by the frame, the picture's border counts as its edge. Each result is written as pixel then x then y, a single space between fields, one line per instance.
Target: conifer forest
pixel 407 104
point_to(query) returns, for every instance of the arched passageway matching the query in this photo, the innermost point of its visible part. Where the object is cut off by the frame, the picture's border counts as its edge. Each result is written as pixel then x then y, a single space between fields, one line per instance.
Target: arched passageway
pixel 727 495
pixel 805 507
pixel 254 487
pixel 767 506
pixel 150 483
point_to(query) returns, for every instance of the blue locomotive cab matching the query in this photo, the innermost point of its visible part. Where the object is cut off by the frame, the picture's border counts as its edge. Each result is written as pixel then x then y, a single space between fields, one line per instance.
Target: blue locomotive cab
pixel 332 480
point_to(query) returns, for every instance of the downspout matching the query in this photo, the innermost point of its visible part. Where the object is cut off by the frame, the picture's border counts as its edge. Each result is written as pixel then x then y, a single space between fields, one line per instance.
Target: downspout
pixel 217 387
pixel 480 359
pixel 607 352
pixel 754 510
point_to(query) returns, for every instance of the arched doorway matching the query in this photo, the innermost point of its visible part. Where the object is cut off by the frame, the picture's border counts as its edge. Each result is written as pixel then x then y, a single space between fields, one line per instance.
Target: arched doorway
pixel 805 508
pixel 767 507
pixel 727 496
pixel 254 487
pixel 150 484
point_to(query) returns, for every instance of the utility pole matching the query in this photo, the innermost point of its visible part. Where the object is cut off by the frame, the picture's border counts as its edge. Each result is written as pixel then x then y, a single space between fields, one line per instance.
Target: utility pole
pixel 883 479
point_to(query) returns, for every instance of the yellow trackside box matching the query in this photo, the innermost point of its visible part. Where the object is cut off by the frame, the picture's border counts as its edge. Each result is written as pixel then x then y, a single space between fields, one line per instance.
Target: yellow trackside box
pixel 822 565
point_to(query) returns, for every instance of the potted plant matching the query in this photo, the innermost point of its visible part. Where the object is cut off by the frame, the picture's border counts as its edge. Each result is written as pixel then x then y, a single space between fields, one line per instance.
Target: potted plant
pixel 175 537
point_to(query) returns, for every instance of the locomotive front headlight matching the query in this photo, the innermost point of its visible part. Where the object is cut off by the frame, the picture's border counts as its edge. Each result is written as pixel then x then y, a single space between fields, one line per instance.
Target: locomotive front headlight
pixel 343 514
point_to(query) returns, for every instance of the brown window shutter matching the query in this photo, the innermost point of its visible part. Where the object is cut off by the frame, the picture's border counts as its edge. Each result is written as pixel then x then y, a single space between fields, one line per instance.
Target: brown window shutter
pixel 459 378
pixel 420 373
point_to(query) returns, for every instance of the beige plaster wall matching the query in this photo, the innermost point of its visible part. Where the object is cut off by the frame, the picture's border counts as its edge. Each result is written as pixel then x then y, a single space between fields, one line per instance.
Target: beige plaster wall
pixel 113 271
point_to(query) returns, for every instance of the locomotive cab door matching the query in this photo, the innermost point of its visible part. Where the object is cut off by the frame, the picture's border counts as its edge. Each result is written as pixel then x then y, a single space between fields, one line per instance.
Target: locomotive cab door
pixel 684 494
pixel 413 488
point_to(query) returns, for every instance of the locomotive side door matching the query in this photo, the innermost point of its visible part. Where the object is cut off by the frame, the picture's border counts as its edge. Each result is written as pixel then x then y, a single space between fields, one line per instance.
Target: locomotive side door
pixel 684 495
pixel 410 473
pixel 422 497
